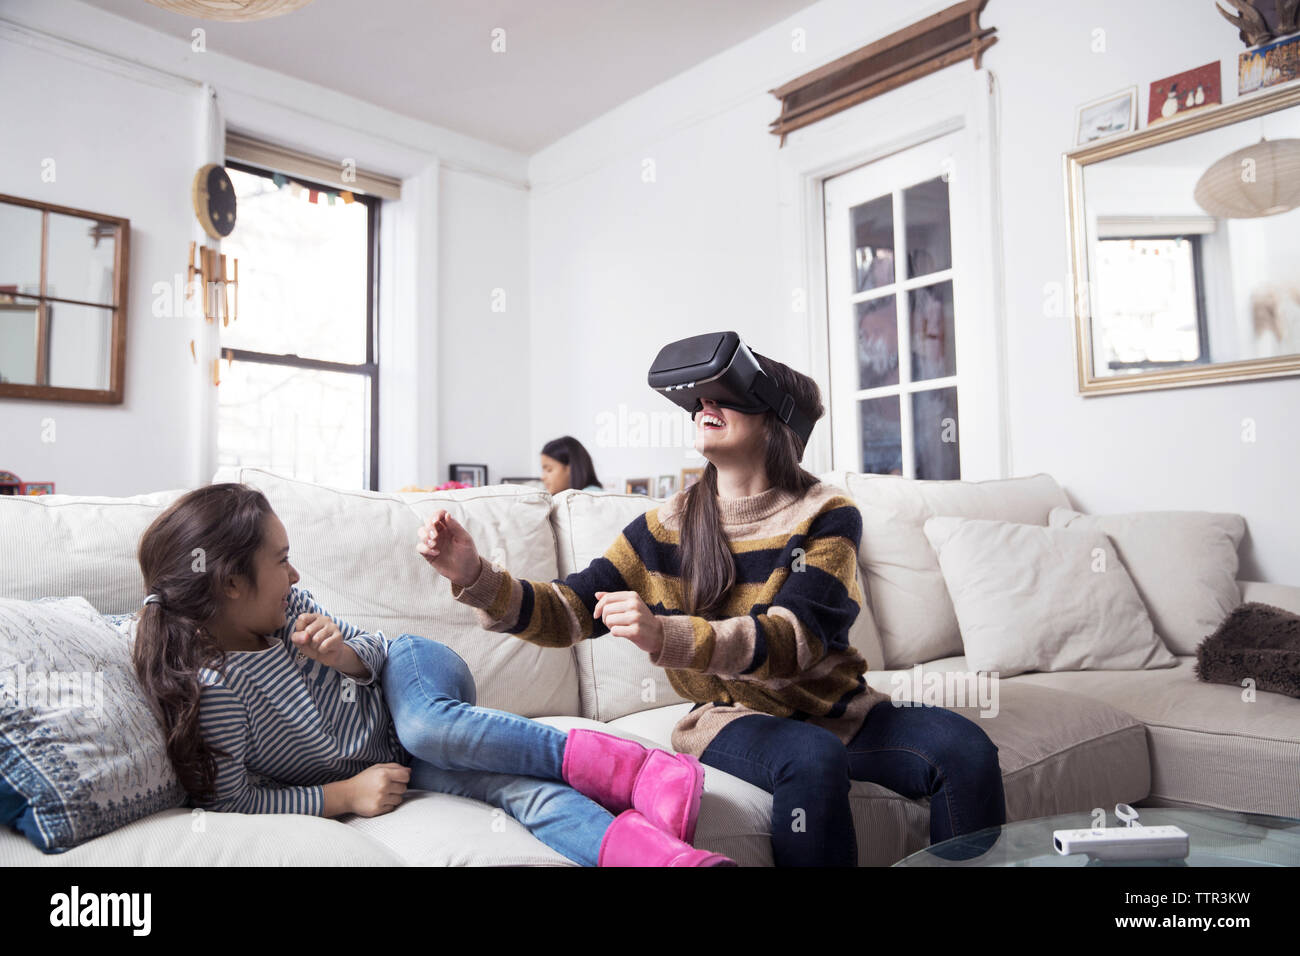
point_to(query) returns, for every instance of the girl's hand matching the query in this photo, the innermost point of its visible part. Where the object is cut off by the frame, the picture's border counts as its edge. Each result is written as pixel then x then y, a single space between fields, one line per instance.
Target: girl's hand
pixel 626 615
pixel 319 638
pixel 449 549
pixel 377 789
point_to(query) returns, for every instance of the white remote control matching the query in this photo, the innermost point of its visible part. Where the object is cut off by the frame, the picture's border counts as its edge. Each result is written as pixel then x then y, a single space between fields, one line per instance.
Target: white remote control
pixel 1124 843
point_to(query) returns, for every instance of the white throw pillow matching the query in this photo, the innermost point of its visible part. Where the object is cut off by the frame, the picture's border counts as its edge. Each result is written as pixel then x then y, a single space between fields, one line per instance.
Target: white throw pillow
pixel 1030 598
pixel 1184 564
pixel 906 589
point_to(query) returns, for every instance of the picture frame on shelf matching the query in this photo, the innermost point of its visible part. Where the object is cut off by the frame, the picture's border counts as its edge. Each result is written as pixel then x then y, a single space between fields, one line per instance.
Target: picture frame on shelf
pixel 1184 93
pixel 475 476
pixel 1108 116
pixel 665 486
pixel 636 486
pixel 690 476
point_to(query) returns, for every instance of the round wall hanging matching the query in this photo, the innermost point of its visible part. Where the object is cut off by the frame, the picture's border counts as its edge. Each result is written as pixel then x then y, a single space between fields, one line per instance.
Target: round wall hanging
pixel 214 200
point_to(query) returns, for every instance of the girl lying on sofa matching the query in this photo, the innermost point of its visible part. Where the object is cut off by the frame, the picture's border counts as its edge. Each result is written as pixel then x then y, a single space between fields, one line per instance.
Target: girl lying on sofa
pixel 271 705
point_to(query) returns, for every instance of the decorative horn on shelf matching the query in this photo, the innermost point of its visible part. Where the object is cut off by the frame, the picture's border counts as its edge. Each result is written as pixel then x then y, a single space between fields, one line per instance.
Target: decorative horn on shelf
pixel 1252 26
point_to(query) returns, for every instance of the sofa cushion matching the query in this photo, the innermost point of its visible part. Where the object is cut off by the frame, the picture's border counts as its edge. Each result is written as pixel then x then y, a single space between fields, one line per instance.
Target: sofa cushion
pixel 1059 753
pixel 616 677
pixel 906 589
pixel 83 753
pixel 1279 595
pixel 356 553
pixel 1184 564
pixel 63 545
pixel 1212 745
pixel 1042 599
pixel 180 837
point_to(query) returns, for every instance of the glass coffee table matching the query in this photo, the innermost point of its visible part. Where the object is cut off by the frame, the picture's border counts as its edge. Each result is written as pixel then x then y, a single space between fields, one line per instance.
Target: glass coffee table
pixel 1216 838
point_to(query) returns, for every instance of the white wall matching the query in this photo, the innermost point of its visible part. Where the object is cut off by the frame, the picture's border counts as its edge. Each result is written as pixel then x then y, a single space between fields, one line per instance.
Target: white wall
pixel 120 108
pixel 619 266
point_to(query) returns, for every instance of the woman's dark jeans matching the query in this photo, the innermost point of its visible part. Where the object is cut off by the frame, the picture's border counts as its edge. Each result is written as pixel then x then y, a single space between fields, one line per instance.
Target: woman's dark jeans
pixel 915 751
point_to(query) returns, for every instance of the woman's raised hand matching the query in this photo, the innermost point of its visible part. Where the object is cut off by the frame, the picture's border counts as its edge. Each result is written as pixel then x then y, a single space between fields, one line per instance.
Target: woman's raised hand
pixel 449 549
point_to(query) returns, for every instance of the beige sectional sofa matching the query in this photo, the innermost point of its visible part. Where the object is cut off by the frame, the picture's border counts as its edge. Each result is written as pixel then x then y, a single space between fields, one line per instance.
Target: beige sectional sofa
pixel 1068 741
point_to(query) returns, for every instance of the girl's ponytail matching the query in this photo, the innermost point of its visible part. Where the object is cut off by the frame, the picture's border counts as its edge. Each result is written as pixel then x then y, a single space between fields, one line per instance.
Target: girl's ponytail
pixel 187 555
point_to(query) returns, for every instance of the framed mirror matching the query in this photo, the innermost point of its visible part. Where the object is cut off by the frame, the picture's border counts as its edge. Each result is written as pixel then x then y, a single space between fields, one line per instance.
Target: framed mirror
pixel 1181 239
pixel 63 286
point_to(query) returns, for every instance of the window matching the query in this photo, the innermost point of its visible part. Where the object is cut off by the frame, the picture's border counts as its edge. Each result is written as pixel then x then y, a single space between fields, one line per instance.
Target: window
pixel 891 282
pixel 1154 316
pixel 299 373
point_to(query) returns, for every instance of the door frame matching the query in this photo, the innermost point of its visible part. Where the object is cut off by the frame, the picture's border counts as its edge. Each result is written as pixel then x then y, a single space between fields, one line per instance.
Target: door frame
pixel 954 99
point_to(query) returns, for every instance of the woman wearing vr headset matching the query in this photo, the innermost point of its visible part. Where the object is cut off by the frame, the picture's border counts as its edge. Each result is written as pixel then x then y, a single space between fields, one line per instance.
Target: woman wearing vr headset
pixel 743 587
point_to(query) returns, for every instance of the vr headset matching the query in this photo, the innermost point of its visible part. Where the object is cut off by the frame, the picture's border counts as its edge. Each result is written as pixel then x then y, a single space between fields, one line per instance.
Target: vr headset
pixel 720 366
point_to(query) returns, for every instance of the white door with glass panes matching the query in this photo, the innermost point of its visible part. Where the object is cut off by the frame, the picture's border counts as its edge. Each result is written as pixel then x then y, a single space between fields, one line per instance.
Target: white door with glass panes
pixel 903 391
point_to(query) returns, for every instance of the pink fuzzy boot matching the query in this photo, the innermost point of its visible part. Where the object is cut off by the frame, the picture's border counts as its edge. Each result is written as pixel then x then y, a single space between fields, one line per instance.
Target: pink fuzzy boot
pixel 622 775
pixel 632 840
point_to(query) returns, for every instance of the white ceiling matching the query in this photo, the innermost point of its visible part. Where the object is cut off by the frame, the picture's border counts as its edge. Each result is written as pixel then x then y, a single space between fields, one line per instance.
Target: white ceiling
pixel 566 61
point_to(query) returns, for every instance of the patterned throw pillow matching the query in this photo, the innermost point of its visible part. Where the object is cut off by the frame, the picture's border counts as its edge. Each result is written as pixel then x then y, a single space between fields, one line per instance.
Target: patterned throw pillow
pixel 81 753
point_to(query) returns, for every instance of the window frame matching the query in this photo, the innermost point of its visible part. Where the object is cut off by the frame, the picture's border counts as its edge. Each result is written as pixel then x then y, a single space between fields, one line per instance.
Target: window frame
pixel 369 368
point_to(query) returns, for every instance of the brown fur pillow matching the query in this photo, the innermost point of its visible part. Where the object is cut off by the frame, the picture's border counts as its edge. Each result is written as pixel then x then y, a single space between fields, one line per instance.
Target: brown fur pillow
pixel 1258 641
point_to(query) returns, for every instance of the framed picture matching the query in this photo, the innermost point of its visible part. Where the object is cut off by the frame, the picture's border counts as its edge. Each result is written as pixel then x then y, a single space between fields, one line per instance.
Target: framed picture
pixel 1108 116
pixel 1183 93
pixel 1268 65
pixel 665 486
pixel 38 487
pixel 530 482
pixel 637 486
pixel 690 476
pixel 474 475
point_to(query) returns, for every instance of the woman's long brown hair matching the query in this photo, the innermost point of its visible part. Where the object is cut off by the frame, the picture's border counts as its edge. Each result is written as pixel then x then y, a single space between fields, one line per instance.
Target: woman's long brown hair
pixel 187 556
pixel 708 569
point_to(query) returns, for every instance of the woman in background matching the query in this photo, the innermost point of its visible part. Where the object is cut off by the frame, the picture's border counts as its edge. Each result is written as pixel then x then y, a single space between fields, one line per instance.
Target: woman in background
pixel 566 464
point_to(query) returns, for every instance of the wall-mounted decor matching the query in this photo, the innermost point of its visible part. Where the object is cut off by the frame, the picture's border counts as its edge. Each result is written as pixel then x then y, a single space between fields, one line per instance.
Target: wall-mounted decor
pixel 1183 93
pixel 1271 65
pixel 63 300
pixel 1108 116
pixel 1182 241
pixel 950 36
pixel 213 196
pixel 476 476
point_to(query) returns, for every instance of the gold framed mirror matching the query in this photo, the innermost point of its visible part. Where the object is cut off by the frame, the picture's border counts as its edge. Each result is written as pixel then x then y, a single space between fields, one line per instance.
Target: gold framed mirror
pixel 63 288
pixel 1181 239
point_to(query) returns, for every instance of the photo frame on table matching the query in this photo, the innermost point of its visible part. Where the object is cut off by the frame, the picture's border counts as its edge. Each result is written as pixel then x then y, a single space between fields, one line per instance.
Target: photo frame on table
pixel 474 475
pixel 690 476
pixel 637 486
pixel 665 486
pixel 1108 116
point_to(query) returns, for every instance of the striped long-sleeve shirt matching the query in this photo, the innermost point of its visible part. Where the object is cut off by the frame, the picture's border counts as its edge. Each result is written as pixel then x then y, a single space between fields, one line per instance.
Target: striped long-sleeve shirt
pixel 290 724
pixel 779 645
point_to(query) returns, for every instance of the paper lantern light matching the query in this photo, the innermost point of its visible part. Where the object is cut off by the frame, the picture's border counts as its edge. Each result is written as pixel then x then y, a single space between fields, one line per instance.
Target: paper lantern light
pixel 1259 180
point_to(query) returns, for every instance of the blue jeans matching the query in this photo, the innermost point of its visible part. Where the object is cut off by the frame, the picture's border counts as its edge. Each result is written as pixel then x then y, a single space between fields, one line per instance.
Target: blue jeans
pixel 500 758
pixel 918 752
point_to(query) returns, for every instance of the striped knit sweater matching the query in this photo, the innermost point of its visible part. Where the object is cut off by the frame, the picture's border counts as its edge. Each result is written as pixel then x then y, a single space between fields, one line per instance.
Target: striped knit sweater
pixel 290 724
pixel 778 646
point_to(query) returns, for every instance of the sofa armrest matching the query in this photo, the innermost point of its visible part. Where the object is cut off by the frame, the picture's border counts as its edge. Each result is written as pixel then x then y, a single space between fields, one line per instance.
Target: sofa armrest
pixel 1279 595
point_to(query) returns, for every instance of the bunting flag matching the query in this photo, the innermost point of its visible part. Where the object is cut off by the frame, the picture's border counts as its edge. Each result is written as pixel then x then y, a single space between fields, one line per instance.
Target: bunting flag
pixel 332 196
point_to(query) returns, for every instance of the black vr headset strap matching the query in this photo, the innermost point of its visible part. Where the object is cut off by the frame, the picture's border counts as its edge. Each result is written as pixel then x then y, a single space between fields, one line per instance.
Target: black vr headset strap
pixel 781 402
